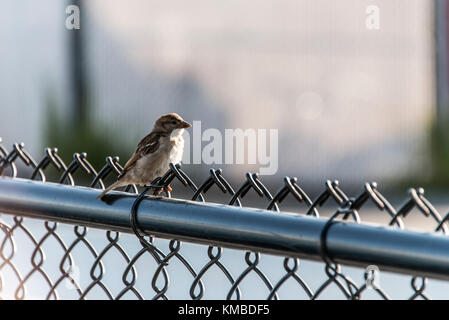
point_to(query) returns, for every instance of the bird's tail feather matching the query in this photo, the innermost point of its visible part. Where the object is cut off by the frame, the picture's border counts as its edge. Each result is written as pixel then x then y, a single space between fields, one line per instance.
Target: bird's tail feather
pixel 111 187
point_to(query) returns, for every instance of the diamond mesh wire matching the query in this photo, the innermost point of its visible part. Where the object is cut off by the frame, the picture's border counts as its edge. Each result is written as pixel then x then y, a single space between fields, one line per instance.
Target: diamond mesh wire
pixel 48 260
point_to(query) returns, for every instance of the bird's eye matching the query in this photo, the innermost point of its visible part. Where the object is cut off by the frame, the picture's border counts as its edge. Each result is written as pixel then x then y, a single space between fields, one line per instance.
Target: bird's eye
pixel 173 122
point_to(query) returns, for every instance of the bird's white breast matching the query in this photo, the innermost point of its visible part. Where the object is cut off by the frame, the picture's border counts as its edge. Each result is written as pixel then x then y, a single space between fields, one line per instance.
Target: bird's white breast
pixel 156 164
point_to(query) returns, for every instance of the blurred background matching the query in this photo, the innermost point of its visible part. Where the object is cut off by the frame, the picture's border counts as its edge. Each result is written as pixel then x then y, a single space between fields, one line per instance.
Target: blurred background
pixel 350 102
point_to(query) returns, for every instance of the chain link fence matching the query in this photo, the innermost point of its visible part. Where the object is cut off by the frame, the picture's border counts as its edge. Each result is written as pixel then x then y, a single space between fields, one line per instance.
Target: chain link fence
pixel 42 259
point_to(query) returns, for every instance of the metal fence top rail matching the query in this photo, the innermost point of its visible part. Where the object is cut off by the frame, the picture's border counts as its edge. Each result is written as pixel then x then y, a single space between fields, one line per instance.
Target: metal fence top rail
pixel 425 254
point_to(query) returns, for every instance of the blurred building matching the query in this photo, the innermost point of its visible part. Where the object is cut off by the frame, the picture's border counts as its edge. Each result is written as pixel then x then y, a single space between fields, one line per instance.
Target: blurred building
pixel 349 102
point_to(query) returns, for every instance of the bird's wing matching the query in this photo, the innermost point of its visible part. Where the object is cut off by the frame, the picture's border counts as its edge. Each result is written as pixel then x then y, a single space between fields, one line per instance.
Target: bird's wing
pixel 149 144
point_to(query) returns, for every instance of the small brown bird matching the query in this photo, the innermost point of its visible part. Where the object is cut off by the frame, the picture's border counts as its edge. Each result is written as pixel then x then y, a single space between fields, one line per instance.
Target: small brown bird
pixel 162 146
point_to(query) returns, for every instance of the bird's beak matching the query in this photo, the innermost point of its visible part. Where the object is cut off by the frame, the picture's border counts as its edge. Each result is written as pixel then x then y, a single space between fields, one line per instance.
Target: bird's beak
pixel 185 125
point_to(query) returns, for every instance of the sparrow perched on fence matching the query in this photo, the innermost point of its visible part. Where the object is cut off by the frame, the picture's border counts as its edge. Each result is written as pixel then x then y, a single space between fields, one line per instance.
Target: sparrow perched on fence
pixel 162 146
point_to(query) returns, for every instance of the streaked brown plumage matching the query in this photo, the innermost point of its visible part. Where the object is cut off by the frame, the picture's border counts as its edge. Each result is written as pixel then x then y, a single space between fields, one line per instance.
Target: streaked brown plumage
pixel 164 144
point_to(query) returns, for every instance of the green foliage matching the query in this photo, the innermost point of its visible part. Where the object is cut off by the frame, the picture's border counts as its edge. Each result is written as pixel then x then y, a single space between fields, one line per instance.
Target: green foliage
pixel 434 175
pixel 439 147
pixel 80 137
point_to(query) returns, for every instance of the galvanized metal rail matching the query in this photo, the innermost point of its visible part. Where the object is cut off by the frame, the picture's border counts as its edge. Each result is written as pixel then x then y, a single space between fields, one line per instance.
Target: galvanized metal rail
pixel 280 233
